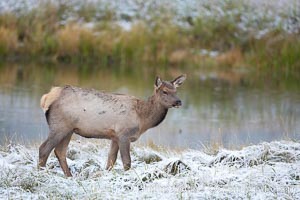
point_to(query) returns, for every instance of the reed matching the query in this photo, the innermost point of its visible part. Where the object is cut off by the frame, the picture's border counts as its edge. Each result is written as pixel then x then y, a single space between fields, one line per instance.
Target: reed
pixel 8 41
pixel 44 33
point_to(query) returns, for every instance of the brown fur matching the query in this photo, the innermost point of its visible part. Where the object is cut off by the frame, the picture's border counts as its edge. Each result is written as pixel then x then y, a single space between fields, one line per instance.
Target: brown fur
pixel 94 114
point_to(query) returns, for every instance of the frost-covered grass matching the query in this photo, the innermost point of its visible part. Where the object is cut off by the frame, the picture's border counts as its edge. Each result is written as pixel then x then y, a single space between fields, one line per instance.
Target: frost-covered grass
pixel 264 171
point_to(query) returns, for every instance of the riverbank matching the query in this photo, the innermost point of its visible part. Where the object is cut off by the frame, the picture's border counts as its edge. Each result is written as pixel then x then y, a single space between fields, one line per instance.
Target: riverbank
pixel 263 171
pixel 208 33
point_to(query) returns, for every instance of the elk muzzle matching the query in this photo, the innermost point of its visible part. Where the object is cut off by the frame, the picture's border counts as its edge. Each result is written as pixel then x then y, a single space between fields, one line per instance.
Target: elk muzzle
pixel 177 104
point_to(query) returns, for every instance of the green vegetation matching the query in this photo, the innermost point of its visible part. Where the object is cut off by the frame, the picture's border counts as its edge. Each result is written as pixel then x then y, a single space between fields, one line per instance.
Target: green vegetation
pixel 45 33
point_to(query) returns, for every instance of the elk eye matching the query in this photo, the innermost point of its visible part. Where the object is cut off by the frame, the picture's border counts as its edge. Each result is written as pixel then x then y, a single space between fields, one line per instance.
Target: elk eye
pixel 164 92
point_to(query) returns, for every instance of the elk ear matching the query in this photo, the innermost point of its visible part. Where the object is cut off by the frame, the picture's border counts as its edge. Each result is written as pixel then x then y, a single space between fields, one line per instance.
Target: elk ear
pixel 158 82
pixel 179 80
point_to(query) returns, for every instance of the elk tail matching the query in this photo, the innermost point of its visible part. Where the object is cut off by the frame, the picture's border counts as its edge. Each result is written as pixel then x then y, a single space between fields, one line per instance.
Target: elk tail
pixel 49 98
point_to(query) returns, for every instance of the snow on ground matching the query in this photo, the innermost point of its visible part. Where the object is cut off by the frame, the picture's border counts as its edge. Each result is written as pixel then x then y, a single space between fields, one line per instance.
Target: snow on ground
pixel 264 171
pixel 257 16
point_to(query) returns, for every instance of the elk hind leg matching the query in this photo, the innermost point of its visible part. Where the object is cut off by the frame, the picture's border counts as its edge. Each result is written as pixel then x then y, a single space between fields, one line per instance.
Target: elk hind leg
pixel 61 154
pixel 47 146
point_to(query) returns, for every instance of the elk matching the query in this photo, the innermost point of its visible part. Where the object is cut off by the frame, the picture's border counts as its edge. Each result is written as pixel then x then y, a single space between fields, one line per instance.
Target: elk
pixel 94 114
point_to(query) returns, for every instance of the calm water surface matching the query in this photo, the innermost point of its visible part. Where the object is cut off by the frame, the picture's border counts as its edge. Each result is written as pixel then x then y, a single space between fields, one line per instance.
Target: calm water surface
pixel 229 107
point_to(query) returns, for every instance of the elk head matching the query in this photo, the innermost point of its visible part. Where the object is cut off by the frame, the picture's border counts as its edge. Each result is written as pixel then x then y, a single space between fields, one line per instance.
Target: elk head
pixel 165 91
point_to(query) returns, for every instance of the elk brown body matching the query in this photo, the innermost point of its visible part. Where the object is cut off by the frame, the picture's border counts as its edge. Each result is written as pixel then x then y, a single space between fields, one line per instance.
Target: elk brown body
pixel 94 114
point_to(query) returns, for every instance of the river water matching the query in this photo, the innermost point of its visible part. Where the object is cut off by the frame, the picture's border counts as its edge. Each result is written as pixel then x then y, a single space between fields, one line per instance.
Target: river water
pixel 221 106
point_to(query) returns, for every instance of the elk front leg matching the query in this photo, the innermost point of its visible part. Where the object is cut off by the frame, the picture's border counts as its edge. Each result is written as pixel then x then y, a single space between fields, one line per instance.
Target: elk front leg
pixel 124 145
pixel 112 155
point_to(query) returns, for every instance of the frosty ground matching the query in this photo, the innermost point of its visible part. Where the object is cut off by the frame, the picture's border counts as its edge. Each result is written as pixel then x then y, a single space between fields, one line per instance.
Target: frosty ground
pixel 263 171
pixel 259 15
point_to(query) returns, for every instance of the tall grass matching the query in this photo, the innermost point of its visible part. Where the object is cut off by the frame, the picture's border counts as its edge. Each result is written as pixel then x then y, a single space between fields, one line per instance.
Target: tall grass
pixel 45 32
pixel 8 40
pixel 276 50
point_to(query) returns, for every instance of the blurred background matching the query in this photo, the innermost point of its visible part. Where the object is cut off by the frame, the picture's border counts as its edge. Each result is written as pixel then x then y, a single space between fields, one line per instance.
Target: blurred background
pixel 242 59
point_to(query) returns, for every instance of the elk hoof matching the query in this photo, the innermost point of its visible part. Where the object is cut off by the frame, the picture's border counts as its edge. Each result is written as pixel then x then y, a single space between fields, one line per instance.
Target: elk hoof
pixel 126 167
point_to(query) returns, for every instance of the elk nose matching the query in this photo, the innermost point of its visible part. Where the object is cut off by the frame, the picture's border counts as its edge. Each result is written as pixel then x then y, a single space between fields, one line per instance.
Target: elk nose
pixel 178 103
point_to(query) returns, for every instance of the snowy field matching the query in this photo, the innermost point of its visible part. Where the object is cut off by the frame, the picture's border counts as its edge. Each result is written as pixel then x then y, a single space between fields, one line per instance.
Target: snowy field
pixel 254 16
pixel 264 171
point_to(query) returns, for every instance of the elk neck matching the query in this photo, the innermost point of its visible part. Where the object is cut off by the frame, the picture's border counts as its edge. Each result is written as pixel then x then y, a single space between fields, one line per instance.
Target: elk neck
pixel 151 112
